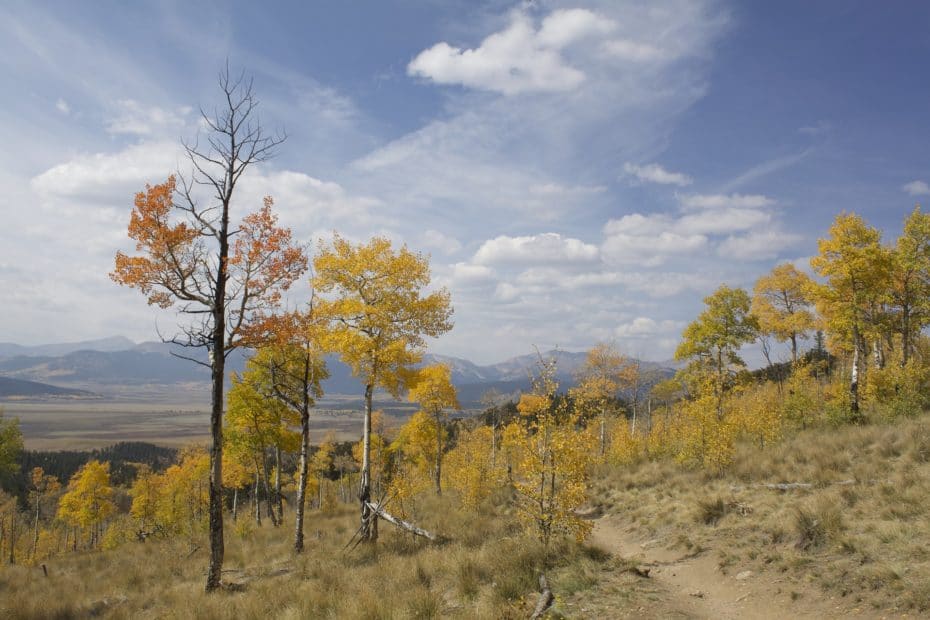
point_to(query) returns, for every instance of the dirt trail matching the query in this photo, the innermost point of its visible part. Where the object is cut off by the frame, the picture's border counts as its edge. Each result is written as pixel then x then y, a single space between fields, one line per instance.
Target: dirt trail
pixel 695 587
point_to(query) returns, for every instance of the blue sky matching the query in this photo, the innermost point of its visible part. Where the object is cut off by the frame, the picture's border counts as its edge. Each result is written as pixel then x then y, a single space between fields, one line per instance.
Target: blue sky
pixel 578 171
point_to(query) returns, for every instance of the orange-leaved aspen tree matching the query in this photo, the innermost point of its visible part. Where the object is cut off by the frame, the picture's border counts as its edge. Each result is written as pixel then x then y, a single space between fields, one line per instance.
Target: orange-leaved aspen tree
pixel 381 317
pixel 435 394
pixel 781 302
pixel 227 277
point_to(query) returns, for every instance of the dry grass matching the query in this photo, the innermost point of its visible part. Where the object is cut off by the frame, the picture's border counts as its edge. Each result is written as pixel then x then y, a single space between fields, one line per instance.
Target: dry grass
pixel 861 531
pixel 489 571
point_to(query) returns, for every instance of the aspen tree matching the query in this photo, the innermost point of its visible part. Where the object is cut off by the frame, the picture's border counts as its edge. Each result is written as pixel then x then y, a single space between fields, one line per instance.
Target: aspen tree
pixel 381 317
pixel 225 277
pixel 782 305
pixel 434 392
pixel 856 268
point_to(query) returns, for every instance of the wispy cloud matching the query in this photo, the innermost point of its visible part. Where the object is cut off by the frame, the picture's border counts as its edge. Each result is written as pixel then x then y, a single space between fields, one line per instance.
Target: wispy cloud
pixel 654 173
pixel 766 168
pixel 725 201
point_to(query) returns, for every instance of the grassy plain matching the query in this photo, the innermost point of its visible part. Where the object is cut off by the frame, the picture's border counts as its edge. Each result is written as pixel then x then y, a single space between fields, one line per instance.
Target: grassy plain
pixel 165 415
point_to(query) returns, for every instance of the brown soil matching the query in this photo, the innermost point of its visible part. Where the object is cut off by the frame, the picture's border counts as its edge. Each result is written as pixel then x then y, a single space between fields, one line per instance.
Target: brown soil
pixel 685 584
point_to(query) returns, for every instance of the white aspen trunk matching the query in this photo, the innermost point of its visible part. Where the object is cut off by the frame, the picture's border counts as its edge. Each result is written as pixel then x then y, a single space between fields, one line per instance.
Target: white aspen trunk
pixel 278 496
pixel 369 531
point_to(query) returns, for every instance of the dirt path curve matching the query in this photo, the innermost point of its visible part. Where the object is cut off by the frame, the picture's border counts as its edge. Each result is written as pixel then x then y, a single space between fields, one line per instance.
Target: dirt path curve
pixel 694 585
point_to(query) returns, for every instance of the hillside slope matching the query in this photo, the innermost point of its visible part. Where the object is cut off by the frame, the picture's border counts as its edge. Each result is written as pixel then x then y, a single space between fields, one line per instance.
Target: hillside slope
pixel 830 524
pixel 20 389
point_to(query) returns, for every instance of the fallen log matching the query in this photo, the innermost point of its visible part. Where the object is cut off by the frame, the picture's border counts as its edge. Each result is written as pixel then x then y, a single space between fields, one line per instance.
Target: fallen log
pixel 405 525
pixel 545 599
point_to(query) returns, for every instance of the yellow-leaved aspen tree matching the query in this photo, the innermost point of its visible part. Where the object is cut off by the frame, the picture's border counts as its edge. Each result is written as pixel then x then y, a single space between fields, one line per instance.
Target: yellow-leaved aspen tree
pixel 856 268
pixel 435 394
pixel 781 303
pixel 598 383
pixel 711 342
pixel 381 316
pixel 293 368
pixel 910 282
pixel 89 500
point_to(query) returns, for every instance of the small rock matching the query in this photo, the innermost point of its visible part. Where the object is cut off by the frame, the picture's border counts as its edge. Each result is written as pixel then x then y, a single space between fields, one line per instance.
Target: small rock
pixel 743 576
pixel 650 543
pixel 696 594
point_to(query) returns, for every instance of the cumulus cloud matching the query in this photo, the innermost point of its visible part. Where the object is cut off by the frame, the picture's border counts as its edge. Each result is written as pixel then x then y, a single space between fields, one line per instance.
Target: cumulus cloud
pixel 518 59
pixel 917 188
pixel 62 106
pixel 541 248
pixel 654 173
pixel 722 201
pixel 123 172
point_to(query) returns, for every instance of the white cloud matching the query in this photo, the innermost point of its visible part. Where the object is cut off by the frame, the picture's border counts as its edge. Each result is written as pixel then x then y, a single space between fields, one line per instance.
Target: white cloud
pixel 917 188
pixel 132 117
pixel 720 221
pixel 654 173
pixel 649 250
pixel 62 106
pixel 542 248
pixel 468 273
pixel 126 172
pixel 436 240
pixel 632 50
pixel 517 59
pixel 757 245
pixel 645 327
pixel 724 201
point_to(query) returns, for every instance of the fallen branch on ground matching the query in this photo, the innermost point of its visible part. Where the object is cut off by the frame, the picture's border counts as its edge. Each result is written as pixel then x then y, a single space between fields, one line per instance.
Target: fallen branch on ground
pixel 405 525
pixel 545 599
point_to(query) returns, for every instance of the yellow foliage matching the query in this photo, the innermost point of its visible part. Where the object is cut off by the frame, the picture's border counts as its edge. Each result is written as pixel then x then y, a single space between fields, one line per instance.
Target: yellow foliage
pixel 470 469
pixel 88 502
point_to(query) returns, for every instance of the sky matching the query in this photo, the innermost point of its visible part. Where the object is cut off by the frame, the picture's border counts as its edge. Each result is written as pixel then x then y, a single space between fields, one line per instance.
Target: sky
pixel 576 171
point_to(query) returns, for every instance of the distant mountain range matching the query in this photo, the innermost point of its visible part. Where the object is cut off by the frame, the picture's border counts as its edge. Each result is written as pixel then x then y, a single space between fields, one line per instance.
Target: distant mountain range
pixel 97 364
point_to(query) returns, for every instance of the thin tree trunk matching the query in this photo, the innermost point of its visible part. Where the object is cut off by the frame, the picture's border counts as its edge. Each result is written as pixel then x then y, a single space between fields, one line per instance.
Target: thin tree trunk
pixel 854 375
pixel 438 455
pixel 369 530
pixel 269 501
pixel 13 535
pixel 35 532
pixel 303 467
pixel 258 509
pixel 603 431
pixel 278 496
pixel 218 353
pixel 794 348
